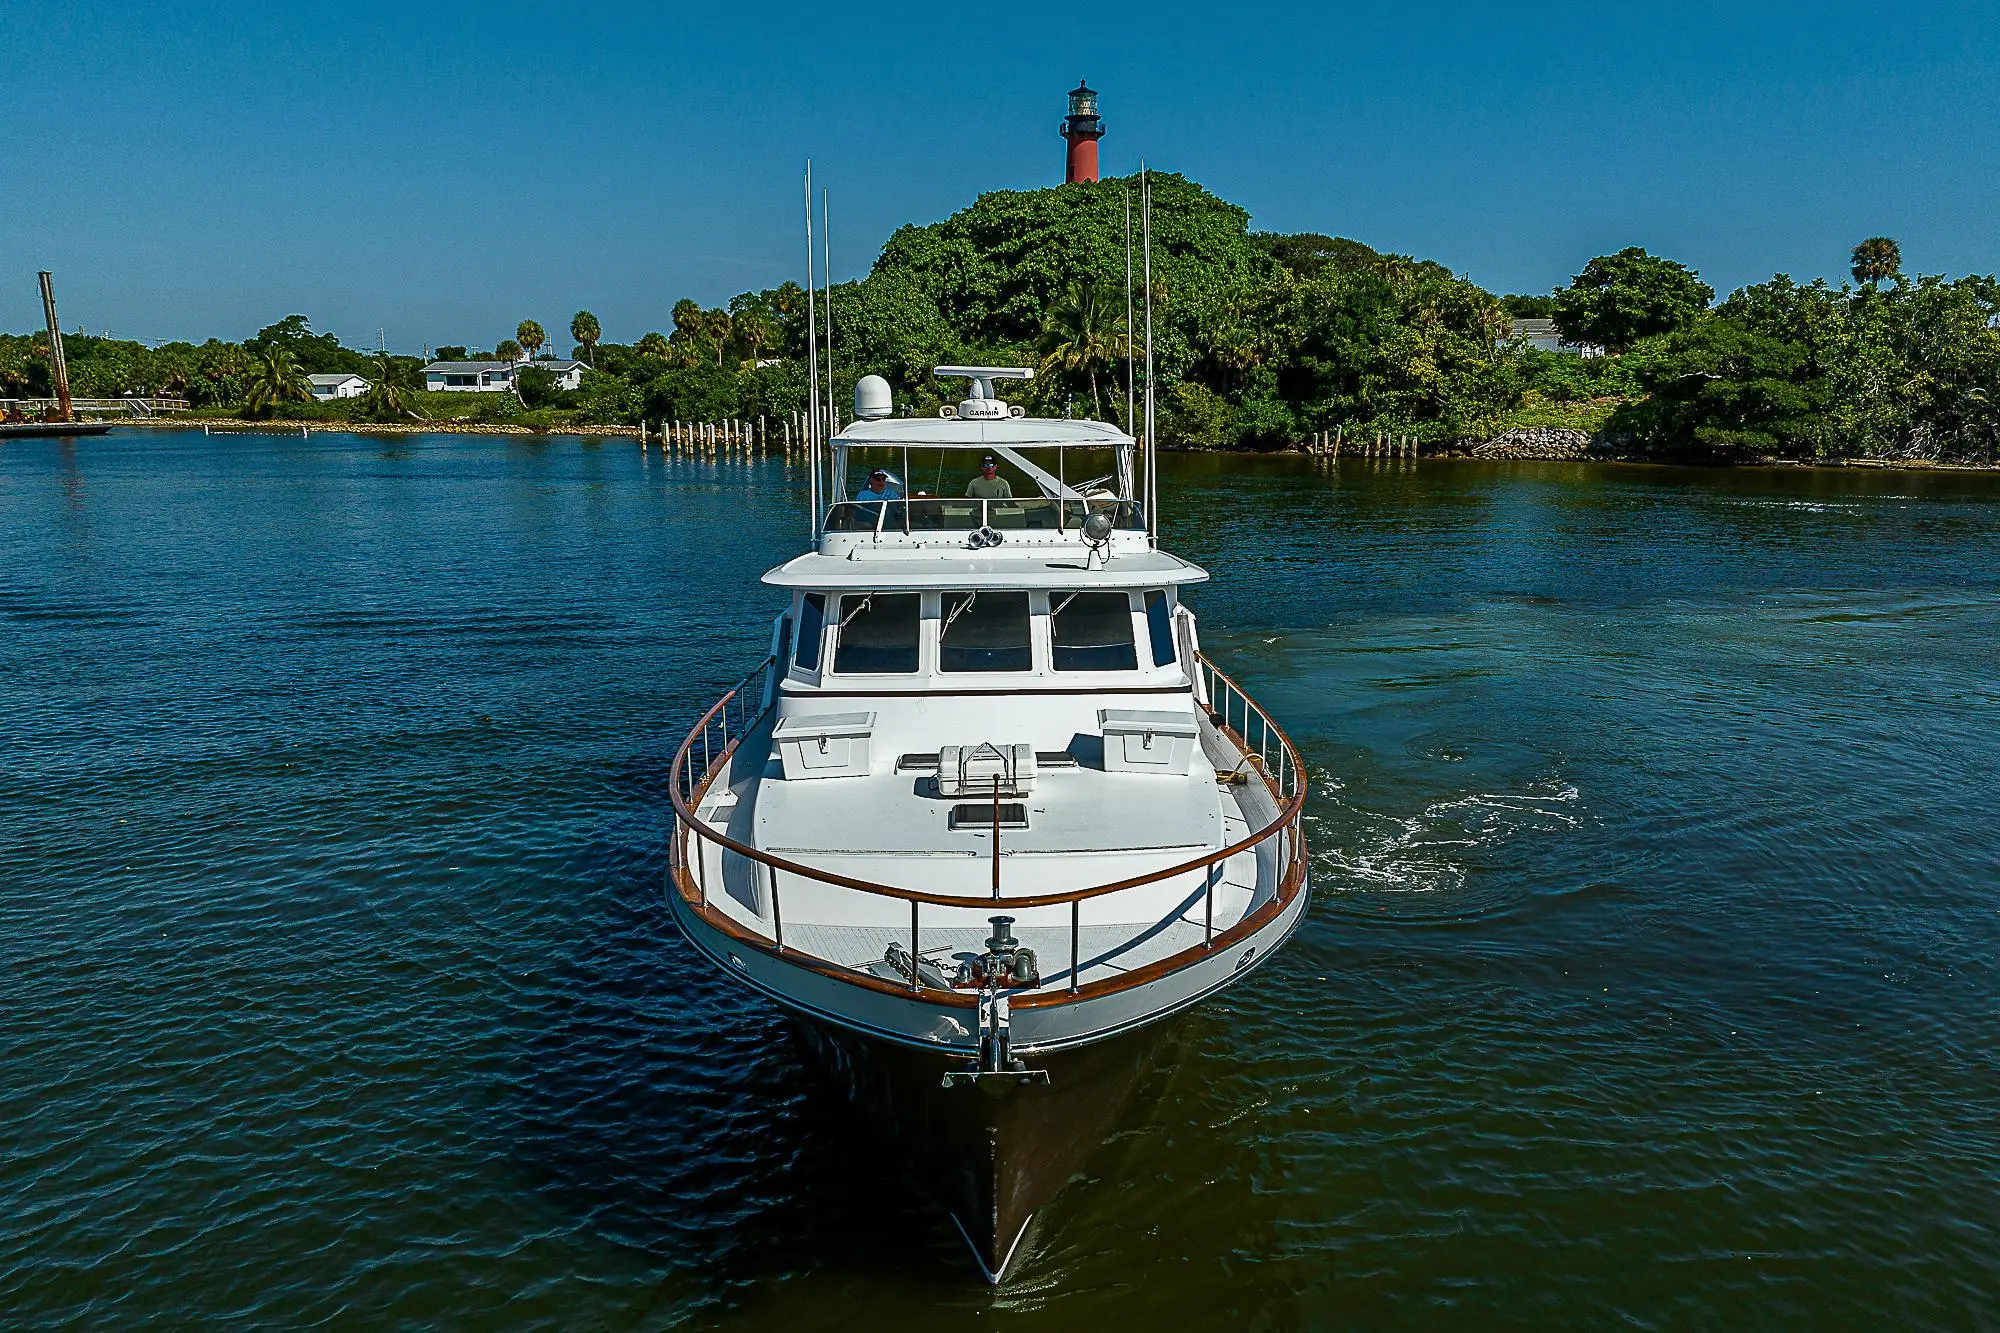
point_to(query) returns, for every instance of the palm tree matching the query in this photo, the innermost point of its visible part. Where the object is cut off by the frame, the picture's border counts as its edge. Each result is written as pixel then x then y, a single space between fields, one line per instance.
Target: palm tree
pixel 653 344
pixel 389 387
pixel 1082 334
pixel 717 327
pixel 531 337
pixel 754 331
pixel 508 350
pixel 276 377
pixel 1877 258
pixel 690 332
pixel 584 328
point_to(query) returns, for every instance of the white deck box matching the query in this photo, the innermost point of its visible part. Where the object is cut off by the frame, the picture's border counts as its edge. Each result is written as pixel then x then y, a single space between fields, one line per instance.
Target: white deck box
pixel 825 745
pixel 969 770
pixel 1143 741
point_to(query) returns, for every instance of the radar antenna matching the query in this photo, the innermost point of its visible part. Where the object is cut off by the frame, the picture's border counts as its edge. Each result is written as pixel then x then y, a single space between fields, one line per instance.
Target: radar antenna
pixel 980 404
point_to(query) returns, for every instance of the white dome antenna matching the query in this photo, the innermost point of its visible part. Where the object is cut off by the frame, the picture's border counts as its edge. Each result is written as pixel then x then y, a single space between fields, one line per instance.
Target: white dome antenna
pixel 872 399
pixel 981 405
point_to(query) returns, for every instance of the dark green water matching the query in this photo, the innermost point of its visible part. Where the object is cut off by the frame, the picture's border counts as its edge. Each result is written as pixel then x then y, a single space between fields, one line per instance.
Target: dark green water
pixel 1651 978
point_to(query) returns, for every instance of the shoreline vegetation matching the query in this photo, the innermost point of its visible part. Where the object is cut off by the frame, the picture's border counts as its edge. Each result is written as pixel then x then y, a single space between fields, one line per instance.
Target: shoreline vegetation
pixel 1521 446
pixel 1262 342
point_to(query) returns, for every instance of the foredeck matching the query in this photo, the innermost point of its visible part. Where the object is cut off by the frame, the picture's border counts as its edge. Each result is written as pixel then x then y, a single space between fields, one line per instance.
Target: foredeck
pixel 1085 826
pixel 1113 879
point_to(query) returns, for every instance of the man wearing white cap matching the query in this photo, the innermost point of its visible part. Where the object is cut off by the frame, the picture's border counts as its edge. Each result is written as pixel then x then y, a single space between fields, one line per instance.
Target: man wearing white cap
pixel 879 487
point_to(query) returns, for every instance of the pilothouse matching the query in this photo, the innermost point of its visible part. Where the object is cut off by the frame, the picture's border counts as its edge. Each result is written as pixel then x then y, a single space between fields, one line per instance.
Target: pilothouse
pixel 986 815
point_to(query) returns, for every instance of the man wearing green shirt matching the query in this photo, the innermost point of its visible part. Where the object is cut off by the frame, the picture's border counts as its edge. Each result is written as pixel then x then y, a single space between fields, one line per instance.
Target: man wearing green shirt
pixel 989 484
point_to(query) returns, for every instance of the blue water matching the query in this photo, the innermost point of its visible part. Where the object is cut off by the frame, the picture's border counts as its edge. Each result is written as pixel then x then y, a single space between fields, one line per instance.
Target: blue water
pixel 1650 981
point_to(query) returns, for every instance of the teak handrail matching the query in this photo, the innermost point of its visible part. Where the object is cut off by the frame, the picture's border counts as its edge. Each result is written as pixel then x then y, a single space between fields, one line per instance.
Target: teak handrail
pixel 684 807
pixel 688 790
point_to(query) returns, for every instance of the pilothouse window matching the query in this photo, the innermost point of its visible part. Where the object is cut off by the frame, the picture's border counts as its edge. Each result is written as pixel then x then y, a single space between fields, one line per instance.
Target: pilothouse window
pixel 812 617
pixel 984 631
pixel 1160 628
pixel 1092 631
pixel 878 634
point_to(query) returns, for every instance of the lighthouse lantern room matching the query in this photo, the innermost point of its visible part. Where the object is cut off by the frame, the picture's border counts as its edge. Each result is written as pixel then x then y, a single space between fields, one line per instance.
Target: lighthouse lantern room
pixel 1083 127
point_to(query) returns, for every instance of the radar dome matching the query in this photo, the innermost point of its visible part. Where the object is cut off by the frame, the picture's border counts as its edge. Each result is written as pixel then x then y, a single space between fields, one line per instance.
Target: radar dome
pixel 872 400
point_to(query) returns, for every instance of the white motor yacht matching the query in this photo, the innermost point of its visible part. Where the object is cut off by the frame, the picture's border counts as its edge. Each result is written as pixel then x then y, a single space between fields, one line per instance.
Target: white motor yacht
pixel 986 815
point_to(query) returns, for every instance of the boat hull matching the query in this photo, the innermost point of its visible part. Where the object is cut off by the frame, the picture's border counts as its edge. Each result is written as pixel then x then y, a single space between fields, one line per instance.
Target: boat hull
pixel 944 1023
pixel 991 1153
pixel 29 430
pixel 994 1150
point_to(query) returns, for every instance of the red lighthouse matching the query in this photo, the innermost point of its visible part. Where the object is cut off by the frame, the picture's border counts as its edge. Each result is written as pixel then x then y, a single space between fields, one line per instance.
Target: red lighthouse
pixel 1083 127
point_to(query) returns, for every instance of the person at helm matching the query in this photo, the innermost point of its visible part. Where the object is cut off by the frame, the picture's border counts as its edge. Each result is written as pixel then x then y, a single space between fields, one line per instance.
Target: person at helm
pixel 879 487
pixel 989 484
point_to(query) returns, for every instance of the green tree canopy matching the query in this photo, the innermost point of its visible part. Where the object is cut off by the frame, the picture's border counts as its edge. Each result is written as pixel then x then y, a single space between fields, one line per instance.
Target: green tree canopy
pixel 537 387
pixel 1619 299
pixel 1719 388
pixel 316 353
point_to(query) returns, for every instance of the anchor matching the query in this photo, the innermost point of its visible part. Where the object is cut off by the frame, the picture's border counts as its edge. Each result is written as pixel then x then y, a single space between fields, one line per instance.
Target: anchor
pixel 1005 963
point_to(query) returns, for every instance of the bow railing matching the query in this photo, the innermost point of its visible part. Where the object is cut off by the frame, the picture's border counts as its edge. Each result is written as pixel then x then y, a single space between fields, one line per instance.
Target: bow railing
pixel 714 740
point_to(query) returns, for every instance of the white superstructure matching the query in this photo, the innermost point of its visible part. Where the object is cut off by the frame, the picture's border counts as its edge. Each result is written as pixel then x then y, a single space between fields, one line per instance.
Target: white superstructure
pixel 982 708
pixel 986 806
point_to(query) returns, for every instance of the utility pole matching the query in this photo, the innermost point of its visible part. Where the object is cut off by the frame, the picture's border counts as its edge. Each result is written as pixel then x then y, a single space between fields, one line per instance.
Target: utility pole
pixel 58 366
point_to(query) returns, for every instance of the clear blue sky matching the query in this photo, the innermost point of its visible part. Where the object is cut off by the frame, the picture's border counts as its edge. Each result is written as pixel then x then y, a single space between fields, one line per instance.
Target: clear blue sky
pixel 444 171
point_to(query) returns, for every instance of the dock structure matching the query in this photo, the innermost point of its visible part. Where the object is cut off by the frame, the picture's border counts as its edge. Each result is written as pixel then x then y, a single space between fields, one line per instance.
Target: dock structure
pixel 787 437
pixel 733 437
pixel 1384 444
pixel 151 405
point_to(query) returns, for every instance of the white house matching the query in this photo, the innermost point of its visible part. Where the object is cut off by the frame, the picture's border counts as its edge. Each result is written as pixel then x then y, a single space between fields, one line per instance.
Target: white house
pixel 495 376
pixel 326 388
pixel 1542 336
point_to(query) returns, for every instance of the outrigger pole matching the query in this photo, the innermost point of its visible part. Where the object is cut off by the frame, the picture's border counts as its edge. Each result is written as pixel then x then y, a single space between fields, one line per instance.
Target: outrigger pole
pixel 826 281
pixel 1131 415
pixel 812 366
pixel 1152 446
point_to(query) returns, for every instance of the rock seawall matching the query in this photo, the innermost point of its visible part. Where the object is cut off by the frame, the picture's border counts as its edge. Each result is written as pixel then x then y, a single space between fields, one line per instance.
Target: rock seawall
pixel 1551 443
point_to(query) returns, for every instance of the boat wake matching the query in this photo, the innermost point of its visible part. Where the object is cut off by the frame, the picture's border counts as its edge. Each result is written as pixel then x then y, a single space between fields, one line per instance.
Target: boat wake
pixel 1430 863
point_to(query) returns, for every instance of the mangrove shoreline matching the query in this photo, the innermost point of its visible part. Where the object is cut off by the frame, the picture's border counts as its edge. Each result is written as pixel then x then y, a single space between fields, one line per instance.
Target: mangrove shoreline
pixel 1538 446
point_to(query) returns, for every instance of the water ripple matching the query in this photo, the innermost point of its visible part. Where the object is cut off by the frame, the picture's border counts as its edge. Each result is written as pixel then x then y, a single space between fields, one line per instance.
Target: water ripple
pixel 1649 978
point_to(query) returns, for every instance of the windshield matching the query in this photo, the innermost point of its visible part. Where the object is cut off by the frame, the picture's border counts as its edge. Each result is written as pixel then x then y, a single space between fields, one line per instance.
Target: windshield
pixel 985 631
pixel 1092 631
pixel 878 634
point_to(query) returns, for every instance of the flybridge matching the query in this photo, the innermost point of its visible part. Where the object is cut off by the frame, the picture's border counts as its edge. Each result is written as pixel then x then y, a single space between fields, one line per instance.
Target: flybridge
pixel 1095 514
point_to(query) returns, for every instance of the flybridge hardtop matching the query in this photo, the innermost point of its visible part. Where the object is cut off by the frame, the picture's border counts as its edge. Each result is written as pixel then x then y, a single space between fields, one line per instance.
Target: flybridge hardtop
pixel 985 816
pixel 917 565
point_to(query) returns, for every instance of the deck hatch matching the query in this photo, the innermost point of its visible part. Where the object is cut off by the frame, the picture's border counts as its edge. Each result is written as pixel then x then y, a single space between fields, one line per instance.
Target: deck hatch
pixel 928 763
pixel 976 815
